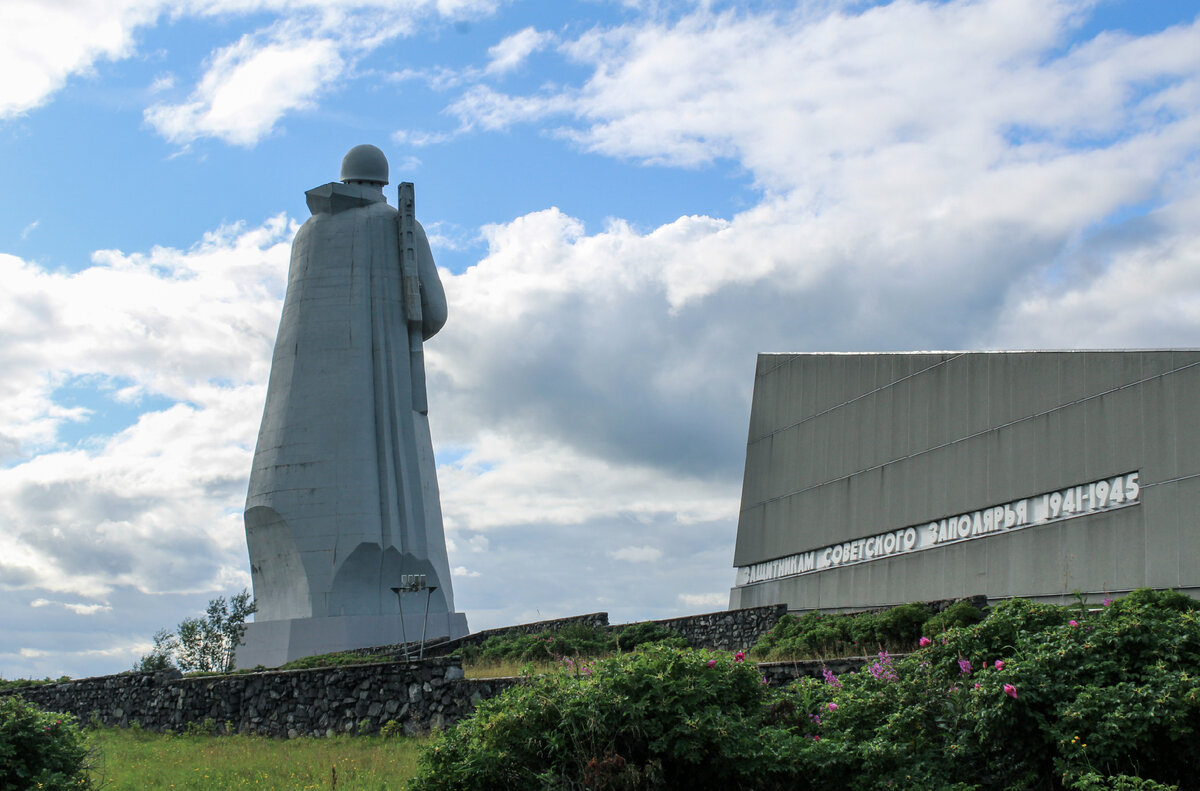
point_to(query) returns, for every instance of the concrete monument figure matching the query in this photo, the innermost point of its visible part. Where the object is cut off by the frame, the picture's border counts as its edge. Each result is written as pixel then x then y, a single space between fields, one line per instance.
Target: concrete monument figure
pixel 343 495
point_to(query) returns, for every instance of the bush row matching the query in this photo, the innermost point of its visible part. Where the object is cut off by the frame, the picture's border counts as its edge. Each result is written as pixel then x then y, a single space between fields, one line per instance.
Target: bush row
pixel 572 640
pixel 897 629
pixel 1032 698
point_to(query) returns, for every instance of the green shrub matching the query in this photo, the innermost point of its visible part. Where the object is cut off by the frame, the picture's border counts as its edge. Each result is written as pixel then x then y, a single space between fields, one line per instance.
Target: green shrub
pixel 30 682
pixel 811 634
pixel 336 659
pixel 961 613
pixel 1092 781
pixel 40 749
pixel 816 634
pixel 207 727
pixel 1034 697
pixel 659 718
pixel 571 640
pixel 643 634
pixel 900 626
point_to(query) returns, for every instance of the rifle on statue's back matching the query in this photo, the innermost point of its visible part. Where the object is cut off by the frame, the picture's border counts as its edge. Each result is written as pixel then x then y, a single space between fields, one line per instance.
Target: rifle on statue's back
pixel 411 281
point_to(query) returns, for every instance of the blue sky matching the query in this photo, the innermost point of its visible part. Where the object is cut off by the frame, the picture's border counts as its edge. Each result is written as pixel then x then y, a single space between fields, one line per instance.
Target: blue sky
pixel 629 200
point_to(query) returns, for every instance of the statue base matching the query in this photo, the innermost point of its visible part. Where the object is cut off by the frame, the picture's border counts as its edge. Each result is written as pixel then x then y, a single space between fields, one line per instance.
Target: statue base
pixel 273 643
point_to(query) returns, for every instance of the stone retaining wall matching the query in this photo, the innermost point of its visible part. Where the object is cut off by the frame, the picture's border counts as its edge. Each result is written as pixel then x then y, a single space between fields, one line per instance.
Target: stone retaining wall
pixel 596 620
pixel 418 695
pixel 286 703
pixel 726 630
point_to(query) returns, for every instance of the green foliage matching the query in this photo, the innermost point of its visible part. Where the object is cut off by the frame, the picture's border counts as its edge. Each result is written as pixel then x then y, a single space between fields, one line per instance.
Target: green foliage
pixel 961 613
pixel 332 660
pixel 159 658
pixel 206 728
pixel 572 640
pixel 208 644
pixel 1034 697
pixel 129 760
pixel 816 634
pixel 646 633
pixel 809 635
pixel 1081 699
pixel 659 718
pixel 566 644
pixel 1092 781
pixel 40 749
pixel 30 682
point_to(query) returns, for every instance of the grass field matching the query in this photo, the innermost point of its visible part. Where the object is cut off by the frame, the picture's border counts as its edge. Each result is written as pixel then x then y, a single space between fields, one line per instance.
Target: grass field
pixel 133 759
pixel 505 668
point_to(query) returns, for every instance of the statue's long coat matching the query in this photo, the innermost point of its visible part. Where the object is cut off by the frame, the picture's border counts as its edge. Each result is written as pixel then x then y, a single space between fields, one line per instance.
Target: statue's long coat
pixel 343 492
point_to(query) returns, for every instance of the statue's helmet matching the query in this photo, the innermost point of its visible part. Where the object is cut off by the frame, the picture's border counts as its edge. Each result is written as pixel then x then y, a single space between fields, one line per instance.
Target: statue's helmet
pixel 365 163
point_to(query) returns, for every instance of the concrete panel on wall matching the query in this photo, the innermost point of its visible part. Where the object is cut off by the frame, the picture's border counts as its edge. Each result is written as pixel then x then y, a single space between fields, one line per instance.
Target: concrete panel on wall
pixel 866 444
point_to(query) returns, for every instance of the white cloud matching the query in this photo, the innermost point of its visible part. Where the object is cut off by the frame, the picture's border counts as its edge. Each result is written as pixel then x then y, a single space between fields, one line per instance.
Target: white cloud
pixel 512 51
pixel 701 601
pixel 524 479
pixel 157 505
pixel 168 321
pixel 43 44
pixel 1135 287
pixel 463 571
pixel 248 87
pixel 484 108
pixel 75 607
pixel 641 554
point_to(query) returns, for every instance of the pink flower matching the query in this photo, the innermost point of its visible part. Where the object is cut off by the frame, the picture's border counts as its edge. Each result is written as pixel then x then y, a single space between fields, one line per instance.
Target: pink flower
pixel 712 663
pixel 831 679
pixel 1107 602
pixel 978 686
pixel 999 664
pixel 1073 623
pixel 882 668
pixel 964 667
pixel 925 641
pixel 764 681
pixel 1011 691
pixel 740 656
pixel 833 707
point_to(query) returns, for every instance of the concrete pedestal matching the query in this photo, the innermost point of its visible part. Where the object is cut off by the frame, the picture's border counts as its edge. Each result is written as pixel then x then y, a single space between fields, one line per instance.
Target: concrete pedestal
pixel 273 643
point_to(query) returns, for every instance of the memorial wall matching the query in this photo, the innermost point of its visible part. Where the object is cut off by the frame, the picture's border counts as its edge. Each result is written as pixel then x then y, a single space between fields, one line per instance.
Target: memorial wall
pixel 877 479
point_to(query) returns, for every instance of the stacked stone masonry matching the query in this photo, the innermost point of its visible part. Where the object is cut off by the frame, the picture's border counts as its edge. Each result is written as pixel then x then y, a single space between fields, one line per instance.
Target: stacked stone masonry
pixel 596 620
pixel 289 703
pixel 417 695
pixel 727 630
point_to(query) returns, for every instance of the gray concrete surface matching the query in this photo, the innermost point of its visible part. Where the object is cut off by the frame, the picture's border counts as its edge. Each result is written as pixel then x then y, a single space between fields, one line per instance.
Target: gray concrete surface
pixel 343 495
pixel 844 447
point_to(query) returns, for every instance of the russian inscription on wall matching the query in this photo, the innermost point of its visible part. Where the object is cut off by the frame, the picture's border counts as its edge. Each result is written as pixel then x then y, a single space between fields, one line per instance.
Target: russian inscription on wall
pixel 1105 494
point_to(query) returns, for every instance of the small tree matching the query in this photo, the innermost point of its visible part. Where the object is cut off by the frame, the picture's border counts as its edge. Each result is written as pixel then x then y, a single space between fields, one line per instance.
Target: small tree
pixel 159 658
pixel 207 644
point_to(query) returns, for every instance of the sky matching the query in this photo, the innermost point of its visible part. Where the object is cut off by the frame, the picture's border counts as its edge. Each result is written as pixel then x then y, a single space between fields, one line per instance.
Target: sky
pixel 628 200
